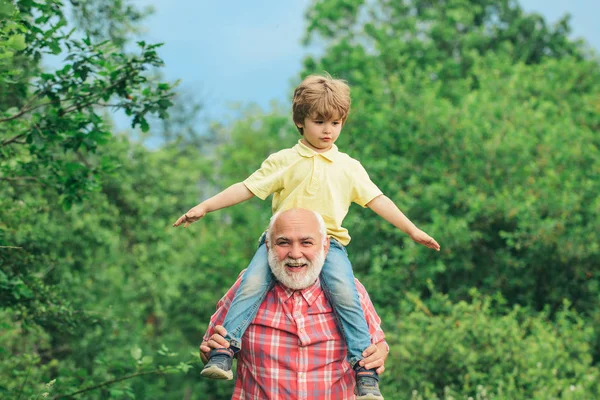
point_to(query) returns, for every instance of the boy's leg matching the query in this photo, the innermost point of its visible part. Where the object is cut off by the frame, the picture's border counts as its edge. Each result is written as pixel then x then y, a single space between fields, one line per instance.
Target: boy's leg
pixel 338 284
pixel 255 284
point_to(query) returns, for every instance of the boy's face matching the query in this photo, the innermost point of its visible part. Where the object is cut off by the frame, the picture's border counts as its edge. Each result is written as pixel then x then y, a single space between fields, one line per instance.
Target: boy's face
pixel 320 134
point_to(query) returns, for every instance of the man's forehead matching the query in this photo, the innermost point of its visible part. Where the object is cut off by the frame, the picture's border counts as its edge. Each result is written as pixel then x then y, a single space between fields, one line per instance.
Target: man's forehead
pixel 295 232
pixel 283 236
pixel 296 224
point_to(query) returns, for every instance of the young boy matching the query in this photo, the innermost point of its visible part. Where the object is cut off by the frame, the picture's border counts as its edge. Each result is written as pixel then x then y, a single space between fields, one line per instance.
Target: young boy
pixel 313 175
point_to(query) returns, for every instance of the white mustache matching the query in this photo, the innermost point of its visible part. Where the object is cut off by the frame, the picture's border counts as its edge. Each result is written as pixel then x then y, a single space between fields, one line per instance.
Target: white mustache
pixel 296 262
pixel 304 277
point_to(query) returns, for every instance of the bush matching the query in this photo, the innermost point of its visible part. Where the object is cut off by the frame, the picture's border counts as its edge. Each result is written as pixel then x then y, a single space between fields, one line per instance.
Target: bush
pixel 470 350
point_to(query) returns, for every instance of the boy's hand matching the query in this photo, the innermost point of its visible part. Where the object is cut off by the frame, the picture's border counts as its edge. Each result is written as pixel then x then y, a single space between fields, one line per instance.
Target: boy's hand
pixel 421 237
pixel 191 216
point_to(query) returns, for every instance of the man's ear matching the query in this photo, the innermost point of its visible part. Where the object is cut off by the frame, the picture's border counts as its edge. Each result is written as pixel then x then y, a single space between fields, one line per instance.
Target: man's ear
pixel 326 246
pixel 267 244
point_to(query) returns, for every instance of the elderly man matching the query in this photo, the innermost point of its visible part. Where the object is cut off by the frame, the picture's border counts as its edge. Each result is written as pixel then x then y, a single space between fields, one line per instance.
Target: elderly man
pixel 293 349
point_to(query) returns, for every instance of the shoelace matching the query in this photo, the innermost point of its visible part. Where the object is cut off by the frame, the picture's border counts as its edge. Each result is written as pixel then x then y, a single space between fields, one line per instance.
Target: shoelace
pixel 368 381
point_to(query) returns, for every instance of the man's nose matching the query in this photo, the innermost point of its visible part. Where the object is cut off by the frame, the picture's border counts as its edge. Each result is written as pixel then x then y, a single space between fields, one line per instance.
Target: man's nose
pixel 295 251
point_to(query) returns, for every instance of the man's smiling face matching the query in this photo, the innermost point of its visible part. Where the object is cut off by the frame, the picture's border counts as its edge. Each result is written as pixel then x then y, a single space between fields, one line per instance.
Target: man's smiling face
pixel 297 249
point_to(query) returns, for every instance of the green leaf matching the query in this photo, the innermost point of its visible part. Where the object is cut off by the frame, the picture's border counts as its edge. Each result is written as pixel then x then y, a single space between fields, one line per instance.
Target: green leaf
pixel 54 48
pixel 116 393
pixel 185 367
pixel 6 8
pixel 144 126
pixel 146 360
pixel 17 42
pixel 136 353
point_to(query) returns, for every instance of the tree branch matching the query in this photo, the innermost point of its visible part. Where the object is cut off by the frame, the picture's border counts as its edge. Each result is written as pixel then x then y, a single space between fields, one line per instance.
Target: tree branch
pixel 13 140
pixel 94 98
pixel 25 380
pixel 26 109
pixel 83 160
pixel 23 111
pixel 19 178
pixel 110 382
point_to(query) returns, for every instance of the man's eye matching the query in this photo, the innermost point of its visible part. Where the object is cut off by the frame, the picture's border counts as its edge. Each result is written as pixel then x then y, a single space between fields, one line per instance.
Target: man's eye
pixel 282 244
pixel 307 243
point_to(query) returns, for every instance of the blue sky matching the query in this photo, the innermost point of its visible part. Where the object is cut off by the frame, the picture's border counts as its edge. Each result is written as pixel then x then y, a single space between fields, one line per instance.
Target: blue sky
pixel 232 51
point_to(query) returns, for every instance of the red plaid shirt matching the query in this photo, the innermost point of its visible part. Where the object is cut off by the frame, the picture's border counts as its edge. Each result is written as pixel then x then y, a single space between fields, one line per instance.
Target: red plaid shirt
pixel 293 348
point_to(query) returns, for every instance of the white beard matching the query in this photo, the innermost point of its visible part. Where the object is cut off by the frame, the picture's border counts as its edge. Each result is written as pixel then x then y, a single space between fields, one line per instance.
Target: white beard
pixel 296 281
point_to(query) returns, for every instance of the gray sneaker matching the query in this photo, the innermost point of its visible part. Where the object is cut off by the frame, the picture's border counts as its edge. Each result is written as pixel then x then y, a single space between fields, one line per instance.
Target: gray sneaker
pixel 367 384
pixel 219 365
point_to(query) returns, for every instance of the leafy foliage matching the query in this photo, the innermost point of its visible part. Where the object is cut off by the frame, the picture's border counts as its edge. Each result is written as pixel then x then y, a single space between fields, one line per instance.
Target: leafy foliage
pixel 480 121
pixel 55 126
pixel 497 161
pixel 471 349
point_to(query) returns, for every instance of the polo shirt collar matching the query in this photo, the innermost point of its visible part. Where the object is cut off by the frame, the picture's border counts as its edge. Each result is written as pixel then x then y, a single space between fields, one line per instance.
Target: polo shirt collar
pixel 305 151
pixel 310 294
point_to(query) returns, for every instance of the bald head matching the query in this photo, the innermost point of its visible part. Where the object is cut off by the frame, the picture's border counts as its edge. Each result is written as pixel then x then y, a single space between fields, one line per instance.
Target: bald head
pixel 297 245
pixel 299 217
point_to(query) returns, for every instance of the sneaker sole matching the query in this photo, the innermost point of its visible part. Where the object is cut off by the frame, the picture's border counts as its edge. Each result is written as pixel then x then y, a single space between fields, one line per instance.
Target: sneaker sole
pixel 369 397
pixel 214 372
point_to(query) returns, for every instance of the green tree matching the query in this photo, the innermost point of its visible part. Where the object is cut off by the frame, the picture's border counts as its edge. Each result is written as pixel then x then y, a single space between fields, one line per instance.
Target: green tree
pixel 53 113
pixel 478 119
pixel 390 40
pixel 481 122
pixel 57 150
pixel 114 20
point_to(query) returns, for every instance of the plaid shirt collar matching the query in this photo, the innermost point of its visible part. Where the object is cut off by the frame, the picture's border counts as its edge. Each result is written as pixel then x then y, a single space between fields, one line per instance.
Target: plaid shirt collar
pixel 307 152
pixel 310 294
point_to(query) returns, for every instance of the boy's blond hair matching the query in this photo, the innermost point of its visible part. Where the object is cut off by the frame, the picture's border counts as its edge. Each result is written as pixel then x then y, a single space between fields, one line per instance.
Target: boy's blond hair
pixel 321 96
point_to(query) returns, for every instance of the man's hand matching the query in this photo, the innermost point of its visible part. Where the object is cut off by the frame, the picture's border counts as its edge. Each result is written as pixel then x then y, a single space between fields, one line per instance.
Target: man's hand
pixel 193 215
pixel 421 237
pixel 216 341
pixel 375 356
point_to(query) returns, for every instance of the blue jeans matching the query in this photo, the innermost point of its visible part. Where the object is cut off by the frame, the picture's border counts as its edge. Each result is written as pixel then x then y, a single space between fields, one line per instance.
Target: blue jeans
pixel 256 283
pixel 337 281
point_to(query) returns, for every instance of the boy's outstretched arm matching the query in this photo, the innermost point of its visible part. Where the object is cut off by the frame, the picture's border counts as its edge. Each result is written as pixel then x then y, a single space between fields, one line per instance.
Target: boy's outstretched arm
pixel 387 210
pixel 233 195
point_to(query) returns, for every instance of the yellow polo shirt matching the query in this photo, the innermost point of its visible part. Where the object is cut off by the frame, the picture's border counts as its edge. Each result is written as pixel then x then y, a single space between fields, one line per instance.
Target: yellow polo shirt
pixel 323 182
